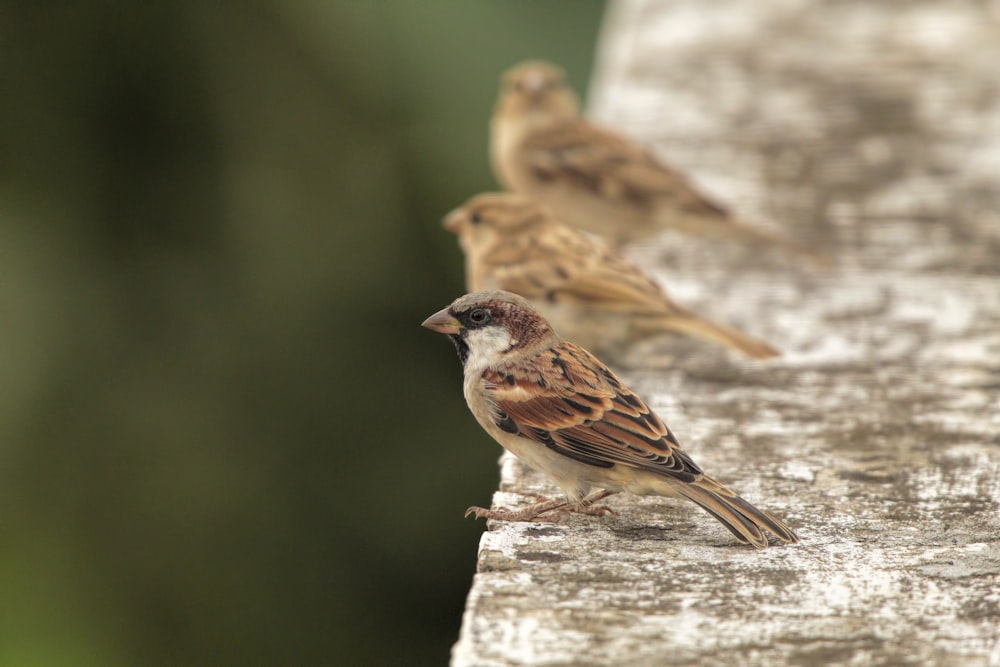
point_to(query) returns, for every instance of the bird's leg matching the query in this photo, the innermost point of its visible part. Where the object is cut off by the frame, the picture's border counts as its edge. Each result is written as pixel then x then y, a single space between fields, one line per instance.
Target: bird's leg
pixel 560 506
pixel 587 504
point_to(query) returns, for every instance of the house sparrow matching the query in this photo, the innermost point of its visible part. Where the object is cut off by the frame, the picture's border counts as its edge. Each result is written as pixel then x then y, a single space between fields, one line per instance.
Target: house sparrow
pixel 589 293
pixel 596 179
pixel 560 410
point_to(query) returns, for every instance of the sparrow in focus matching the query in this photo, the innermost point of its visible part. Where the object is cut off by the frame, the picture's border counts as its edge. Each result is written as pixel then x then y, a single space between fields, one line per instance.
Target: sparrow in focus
pixel 560 410
pixel 589 293
pixel 594 178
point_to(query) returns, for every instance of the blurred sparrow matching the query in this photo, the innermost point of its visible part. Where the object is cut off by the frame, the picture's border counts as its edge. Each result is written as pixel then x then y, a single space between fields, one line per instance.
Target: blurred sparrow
pixel 558 409
pixel 593 178
pixel 590 294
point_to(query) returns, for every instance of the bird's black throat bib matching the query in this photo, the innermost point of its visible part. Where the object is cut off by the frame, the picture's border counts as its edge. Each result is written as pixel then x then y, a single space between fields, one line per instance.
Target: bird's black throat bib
pixel 460 346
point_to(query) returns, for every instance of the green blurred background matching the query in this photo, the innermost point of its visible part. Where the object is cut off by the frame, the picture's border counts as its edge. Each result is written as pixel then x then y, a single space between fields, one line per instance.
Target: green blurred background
pixel 225 437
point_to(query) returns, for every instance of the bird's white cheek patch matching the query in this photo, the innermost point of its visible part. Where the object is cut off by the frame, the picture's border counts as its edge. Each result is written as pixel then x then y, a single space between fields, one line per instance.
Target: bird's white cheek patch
pixel 486 347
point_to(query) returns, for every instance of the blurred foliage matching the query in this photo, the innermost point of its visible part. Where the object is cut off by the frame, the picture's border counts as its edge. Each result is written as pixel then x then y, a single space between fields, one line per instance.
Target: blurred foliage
pixel 226 439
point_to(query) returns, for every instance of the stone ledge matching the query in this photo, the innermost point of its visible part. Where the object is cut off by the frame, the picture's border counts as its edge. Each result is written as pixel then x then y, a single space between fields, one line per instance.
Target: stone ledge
pixel 873 130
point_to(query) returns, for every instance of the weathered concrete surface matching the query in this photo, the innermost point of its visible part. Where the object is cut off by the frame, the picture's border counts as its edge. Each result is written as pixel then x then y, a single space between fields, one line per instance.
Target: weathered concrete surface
pixel 873 130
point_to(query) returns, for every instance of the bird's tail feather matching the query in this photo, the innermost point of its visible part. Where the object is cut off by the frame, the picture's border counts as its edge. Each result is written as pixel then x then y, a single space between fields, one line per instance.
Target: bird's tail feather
pixel 693 325
pixel 742 519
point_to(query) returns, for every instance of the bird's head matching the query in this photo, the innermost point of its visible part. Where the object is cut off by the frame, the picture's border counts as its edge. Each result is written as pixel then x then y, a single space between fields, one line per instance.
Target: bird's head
pixel 536 92
pixel 489 327
pixel 488 218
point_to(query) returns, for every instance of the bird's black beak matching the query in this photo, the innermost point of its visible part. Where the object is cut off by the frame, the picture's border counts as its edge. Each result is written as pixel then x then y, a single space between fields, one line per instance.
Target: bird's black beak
pixel 443 322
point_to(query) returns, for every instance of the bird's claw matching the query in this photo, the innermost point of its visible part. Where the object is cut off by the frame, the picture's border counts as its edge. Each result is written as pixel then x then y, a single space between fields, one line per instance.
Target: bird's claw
pixel 556 509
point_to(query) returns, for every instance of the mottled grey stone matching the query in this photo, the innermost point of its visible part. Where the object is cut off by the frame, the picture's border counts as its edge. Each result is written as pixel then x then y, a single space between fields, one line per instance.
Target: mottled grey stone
pixel 871 130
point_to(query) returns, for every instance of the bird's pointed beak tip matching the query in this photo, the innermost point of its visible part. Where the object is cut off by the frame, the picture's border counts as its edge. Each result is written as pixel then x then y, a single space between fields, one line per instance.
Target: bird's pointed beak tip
pixel 442 322
pixel 452 221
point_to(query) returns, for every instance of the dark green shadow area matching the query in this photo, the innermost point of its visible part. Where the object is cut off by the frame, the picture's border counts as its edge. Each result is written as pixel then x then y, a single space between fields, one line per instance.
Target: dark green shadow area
pixel 225 437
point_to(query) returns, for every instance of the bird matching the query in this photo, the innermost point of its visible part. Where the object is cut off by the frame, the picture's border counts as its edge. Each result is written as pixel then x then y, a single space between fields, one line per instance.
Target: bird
pixel 590 293
pixel 598 179
pixel 561 411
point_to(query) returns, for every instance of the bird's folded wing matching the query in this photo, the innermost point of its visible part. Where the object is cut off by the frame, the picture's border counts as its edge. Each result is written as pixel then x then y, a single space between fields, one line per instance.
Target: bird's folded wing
pixel 533 265
pixel 565 264
pixel 573 404
pixel 611 166
pixel 607 288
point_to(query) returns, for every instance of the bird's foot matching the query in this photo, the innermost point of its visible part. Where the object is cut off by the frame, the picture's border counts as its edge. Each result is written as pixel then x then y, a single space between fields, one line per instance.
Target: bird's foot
pixel 555 509
pixel 530 513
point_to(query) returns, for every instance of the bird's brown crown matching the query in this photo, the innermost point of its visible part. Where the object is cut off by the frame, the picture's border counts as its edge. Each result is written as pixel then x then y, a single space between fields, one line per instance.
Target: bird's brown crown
pixel 533 77
pixel 536 85
pixel 505 309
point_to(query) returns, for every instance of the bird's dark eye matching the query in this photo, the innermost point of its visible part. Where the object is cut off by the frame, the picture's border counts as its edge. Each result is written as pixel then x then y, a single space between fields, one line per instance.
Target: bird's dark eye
pixel 479 316
pixel 475 218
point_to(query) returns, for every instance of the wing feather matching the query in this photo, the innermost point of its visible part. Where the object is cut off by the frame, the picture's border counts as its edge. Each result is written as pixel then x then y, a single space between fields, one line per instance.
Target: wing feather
pixel 573 404
pixel 610 165
pixel 567 264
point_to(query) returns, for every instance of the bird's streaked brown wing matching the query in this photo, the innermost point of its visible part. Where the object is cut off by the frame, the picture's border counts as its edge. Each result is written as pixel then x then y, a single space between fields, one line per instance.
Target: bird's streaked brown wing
pixel 611 166
pixel 573 404
pixel 562 263
pixel 536 263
